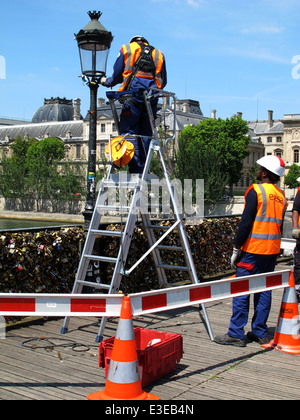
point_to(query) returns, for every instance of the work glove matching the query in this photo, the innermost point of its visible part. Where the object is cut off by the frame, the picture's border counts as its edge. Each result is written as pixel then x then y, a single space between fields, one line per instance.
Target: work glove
pixel 235 256
pixel 296 233
pixel 103 81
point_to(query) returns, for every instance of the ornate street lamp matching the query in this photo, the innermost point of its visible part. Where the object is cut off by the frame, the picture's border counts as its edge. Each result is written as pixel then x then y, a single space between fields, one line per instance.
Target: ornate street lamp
pixel 93 43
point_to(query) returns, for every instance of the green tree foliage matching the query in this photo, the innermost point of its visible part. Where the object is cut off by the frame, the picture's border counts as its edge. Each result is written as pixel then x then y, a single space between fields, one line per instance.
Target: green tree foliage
pixel 41 160
pixel 37 171
pixel 13 176
pixel 290 180
pixel 213 150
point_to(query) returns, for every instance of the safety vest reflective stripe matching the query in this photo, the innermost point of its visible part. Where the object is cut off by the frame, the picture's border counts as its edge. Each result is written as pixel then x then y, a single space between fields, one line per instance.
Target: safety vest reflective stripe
pixel 265 219
pixel 131 54
pixel 265 236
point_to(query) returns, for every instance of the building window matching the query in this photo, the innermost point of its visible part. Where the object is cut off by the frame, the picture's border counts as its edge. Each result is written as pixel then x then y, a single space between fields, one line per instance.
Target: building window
pixel 278 139
pixel 296 156
pixel 102 128
pixel 248 180
pixel 114 127
pixel 242 181
pixel 269 139
pixel 78 151
pixel 102 149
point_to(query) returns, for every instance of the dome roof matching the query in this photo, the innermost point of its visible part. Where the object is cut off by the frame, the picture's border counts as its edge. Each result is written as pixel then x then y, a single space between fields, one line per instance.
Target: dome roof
pixel 54 109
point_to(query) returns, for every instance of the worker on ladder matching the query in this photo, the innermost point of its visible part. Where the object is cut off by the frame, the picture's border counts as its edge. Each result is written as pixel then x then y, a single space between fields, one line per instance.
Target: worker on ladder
pixel 140 67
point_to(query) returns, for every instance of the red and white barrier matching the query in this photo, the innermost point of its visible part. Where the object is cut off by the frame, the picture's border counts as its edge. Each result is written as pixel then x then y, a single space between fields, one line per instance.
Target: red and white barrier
pixel 179 297
pixel 23 304
pixel 288 244
pixel 19 304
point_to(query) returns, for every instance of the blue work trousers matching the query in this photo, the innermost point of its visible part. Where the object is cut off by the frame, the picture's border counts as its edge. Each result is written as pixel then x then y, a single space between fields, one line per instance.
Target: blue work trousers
pixel 251 264
pixel 134 120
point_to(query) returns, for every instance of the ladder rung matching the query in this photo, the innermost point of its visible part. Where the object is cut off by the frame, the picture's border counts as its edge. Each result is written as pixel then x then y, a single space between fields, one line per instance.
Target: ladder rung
pixel 118 185
pixel 94 285
pixel 159 227
pixel 172 267
pixel 170 248
pixel 106 232
pixel 113 208
pixel 101 258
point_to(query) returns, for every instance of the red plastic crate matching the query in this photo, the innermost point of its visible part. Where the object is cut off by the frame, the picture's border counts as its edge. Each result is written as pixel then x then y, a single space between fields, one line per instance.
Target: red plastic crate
pixel 155 361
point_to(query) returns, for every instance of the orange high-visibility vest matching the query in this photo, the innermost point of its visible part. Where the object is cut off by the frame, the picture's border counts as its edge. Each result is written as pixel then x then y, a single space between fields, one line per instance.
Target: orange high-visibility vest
pixel 265 235
pixel 299 214
pixel 131 53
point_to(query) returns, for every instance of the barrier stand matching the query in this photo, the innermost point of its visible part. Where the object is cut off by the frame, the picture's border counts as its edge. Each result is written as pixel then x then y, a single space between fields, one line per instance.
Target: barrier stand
pixel 123 379
pixel 287 334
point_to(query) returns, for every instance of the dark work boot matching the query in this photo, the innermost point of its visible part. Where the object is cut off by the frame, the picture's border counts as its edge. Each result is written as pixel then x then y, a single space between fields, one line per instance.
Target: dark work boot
pixel 226 340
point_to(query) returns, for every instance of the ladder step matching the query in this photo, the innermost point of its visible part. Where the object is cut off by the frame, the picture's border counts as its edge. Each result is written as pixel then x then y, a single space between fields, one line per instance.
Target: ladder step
pixel 160 227
pixel 126 185
pixel 106 232
pixel 101 258
pixel 170 248
pixel 94 285
pixel 172 267
pixel 113 208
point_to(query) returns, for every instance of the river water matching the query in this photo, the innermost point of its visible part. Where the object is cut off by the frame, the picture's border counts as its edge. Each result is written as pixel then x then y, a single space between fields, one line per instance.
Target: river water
pixel 26 224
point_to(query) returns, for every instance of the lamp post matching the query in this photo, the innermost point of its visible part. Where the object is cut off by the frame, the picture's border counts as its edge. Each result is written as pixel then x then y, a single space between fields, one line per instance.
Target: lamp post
pixel 93 43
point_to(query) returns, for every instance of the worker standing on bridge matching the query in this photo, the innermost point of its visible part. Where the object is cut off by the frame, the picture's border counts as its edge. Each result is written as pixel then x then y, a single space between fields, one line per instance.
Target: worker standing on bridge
pixel 256 247
pixel 139 66
pixel 296 235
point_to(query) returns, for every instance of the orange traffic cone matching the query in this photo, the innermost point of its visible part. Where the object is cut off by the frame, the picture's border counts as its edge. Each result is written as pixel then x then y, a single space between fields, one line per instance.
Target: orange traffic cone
pixel 287 334
pixel 123 378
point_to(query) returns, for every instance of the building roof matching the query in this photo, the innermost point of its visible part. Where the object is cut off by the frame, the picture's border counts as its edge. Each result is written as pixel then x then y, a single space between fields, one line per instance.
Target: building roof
pixel 54 109
pixel 10 121
pixel 64 130
pixel 263 127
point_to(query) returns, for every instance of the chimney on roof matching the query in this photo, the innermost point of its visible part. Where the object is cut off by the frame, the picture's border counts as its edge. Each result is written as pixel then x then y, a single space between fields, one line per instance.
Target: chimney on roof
pixel 77 113
pixel 270 119
pixel 101 102
pixel 166 102
pixel 213 114
pixel 239 114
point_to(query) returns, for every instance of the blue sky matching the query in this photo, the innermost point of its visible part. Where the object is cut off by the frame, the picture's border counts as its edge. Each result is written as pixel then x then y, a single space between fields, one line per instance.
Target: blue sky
pixel 230 55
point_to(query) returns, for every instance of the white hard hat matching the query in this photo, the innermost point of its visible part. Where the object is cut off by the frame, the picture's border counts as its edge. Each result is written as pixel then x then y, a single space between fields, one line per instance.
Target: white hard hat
pixel 273 164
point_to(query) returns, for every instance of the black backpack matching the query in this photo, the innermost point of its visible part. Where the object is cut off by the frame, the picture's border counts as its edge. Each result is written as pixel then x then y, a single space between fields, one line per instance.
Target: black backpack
pixel 145 61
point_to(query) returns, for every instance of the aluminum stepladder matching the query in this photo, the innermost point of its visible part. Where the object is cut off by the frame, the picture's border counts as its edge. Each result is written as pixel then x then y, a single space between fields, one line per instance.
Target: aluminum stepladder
pixel 137 185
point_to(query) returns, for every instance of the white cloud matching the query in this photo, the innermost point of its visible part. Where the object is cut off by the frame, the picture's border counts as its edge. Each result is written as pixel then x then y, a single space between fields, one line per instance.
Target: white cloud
pixel 258 55
pixel 195 3
pixel 267 29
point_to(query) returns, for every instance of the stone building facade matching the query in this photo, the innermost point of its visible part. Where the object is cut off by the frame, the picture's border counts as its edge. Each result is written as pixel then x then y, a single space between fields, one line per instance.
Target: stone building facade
pixel 62 118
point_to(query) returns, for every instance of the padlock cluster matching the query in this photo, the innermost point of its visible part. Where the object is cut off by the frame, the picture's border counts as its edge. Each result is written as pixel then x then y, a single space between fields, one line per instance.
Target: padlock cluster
pixel 47 261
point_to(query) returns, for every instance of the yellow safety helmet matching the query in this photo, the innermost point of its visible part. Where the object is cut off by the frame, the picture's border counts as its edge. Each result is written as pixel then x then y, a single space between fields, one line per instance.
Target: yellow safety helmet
pixel 121 152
